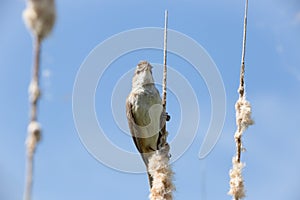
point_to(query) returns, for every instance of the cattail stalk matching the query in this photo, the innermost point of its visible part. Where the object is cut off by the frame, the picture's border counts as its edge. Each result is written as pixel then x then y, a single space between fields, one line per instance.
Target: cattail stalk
pixel 243 120
pixel 39 17
pixel 34 129
pixel 159 167
pixel 164 89
pixel 164 95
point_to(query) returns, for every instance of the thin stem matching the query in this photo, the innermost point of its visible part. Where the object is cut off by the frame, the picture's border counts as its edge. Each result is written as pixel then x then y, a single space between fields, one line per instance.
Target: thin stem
pixel 29 176
pixel 242 89
pixel 164 95
pixel 32 139
pixel 243 120
pixel 35 77
pixel 238 149
pixel 242 75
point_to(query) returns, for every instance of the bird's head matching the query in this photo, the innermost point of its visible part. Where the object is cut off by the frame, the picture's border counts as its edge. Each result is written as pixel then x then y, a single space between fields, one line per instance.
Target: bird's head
pixel 143 74
pixel 143 66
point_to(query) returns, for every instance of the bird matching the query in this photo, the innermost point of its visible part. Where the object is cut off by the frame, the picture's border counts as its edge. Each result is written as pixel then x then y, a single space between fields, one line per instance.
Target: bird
pixel 145 114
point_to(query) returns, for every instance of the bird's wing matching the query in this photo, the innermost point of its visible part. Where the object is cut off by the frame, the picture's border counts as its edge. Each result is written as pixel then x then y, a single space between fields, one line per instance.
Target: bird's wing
pixel 132 125
pixel 134 130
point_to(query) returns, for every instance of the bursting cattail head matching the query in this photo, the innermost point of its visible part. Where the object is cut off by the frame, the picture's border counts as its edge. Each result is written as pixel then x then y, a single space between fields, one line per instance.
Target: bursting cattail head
pixel 162 175
pixel 39 17
pixel 237 189
pixel 243 115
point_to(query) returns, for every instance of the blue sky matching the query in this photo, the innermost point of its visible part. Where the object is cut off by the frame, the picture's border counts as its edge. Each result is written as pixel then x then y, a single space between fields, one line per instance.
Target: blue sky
pixel 65 170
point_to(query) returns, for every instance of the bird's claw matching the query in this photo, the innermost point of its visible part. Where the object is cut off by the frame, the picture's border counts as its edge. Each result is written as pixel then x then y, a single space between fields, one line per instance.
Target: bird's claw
pixel 166 116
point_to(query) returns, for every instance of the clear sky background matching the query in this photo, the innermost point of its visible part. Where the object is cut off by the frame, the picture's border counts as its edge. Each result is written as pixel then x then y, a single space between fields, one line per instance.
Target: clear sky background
pixel 65 170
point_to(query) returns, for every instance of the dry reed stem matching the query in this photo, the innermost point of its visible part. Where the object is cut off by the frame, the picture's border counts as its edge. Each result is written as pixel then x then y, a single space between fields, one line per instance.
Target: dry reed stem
pixel 34 135
pixel 243 120
pixel 159 167
pixel 39 17
pixel 34 130
pixel 164 95
pixel 164 89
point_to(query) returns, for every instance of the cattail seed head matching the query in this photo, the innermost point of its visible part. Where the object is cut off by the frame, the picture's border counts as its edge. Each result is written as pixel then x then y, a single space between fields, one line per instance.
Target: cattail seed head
pixel 162 174
pixel 237 190
pixel 39 17
pixel 243 116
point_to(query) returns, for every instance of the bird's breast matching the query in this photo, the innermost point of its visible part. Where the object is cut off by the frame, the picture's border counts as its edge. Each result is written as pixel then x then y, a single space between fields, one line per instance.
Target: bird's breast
pixel 146 107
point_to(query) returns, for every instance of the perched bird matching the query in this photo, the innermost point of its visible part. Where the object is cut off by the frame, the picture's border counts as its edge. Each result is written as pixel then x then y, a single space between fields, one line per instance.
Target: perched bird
pixel 144 113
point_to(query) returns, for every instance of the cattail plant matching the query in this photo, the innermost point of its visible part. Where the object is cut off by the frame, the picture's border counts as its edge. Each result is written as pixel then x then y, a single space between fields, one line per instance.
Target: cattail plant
pixel 39 17
pixel 243 120
pixel 159 167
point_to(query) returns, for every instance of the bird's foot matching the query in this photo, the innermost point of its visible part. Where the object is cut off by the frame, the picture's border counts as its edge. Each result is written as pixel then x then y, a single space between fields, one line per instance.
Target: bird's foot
pixel 165 116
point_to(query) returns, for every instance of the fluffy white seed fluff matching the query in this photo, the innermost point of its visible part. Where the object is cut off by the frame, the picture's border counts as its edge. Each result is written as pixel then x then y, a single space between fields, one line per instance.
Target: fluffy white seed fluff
pixel 243 116
pixel 33 91
pixel 39 17
pixel 162 174
pixel 243 120
pixel 237 190
pixel 34 135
